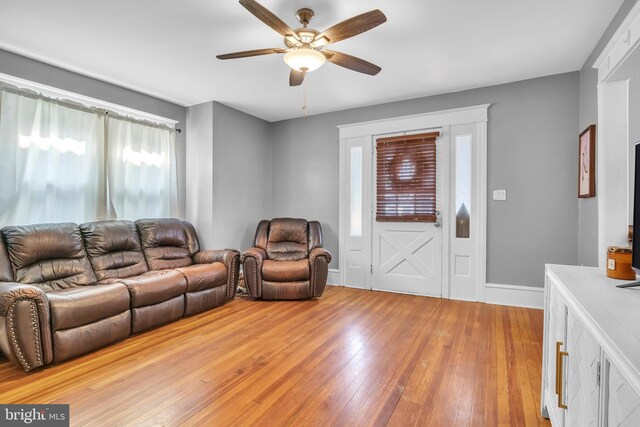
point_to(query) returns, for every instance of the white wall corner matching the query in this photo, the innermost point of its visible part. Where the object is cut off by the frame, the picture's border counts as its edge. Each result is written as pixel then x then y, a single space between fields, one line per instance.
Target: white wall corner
pixel 517 296
pixel 334 277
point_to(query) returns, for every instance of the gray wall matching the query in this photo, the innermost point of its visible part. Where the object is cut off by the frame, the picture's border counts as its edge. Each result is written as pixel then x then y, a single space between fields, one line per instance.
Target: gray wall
pixel 531 153
pixel 39 72
pixel 199 178
pixel 241 171
pixel 588 208
pixel 228 182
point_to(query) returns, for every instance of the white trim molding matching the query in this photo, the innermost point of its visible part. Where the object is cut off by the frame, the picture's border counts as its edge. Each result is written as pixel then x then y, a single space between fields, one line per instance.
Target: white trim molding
pixel 88 101
pixel 434 119
pixel 334 277
pixel 513 295
pixel 619 59
pixel 444 120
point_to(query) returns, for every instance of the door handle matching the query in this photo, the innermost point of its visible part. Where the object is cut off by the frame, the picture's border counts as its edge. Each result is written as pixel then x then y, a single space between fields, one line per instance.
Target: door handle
pixel 561 403
pixel 558 345
pixel 437 223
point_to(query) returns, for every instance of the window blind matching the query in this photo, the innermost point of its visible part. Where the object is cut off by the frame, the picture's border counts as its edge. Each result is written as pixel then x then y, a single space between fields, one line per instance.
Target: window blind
pixel 406 175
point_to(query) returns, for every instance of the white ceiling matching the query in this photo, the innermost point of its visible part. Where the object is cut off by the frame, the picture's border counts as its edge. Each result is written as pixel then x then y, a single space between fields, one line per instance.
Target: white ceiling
pixel 167 48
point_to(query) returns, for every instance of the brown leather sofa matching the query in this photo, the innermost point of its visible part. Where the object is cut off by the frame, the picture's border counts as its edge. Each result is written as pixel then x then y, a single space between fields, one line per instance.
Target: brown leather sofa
pixel 288 260
pixel 66 289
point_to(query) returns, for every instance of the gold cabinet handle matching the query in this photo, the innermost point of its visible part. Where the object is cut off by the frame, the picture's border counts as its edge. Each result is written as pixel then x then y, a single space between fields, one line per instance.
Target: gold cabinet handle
pixel 561 404
pixel 558 379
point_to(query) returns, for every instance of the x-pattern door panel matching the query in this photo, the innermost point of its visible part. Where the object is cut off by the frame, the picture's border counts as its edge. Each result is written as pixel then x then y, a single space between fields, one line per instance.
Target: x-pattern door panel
pixel 583 389
pixel 407 258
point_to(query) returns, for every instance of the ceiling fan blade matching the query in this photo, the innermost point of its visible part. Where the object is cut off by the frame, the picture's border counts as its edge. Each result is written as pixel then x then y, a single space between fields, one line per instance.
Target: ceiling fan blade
pixel 351 62
pixel 353 26
pixel 266 16
pixel 248 53
pixel 296 78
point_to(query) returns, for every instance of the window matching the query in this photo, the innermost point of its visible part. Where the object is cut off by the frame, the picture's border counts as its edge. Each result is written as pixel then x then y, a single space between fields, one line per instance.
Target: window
pixel 141 169
pixel 463 185
pixel 355 223
pixel 406 174
pixel 57 163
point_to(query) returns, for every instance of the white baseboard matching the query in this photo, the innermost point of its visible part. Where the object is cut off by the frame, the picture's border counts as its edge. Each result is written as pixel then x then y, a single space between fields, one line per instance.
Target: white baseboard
pixel 334 277
pixel 518 296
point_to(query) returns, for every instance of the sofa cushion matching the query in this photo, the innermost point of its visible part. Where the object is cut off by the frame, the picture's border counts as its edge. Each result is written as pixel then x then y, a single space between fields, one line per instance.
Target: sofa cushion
pixel 114 249
pixel 165 243
pixel 285 271
pixel 73 342
pixel 82 305
pixel 154 287
pixel 204 276
pixel 286 290
pixel 50 256
pixel 288 239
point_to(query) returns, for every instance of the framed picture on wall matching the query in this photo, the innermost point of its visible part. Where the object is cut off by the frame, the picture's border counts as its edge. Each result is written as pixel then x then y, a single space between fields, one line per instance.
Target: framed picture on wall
pixel 587 163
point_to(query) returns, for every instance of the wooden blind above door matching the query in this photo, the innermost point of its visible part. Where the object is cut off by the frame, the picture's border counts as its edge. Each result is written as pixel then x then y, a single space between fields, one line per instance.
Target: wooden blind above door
pixel 406 174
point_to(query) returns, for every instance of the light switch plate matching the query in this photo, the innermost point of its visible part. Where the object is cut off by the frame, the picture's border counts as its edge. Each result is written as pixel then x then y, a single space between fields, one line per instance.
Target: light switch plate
pixel 499 194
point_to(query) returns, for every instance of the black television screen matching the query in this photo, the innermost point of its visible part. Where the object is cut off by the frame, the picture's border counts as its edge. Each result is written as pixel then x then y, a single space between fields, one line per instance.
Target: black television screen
pixel 635 257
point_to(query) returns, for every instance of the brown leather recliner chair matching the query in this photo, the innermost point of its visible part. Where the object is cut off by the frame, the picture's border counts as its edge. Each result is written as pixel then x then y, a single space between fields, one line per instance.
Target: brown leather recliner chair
pixel 288 260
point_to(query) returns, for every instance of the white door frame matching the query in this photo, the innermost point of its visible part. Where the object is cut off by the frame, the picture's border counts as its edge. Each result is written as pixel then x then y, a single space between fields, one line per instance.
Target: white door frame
pixel 477 114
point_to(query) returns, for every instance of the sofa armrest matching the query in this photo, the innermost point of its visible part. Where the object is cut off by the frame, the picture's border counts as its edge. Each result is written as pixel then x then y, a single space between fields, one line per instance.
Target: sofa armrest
pixel 230 258
pixel 25 325
pixel 252 264
pixel 319 259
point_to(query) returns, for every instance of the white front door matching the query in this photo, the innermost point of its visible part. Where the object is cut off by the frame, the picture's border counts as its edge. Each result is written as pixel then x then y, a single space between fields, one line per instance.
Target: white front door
pixel 407 256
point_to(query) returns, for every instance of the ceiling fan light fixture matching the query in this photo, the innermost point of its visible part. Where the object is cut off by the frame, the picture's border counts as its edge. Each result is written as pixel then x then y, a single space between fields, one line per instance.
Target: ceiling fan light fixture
pixel 304 59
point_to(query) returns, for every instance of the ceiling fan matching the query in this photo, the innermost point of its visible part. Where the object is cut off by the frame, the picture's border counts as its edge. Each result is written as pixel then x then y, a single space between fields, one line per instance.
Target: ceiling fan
pixel 304 50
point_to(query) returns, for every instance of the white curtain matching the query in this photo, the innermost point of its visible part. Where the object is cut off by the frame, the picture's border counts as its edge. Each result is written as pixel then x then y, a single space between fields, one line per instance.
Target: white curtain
pixel 141 170
pixel 62 162
pixel 50 162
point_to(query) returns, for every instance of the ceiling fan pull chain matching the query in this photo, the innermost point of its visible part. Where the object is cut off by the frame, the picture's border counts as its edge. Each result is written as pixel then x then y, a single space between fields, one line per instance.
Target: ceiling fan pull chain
pixel 304 98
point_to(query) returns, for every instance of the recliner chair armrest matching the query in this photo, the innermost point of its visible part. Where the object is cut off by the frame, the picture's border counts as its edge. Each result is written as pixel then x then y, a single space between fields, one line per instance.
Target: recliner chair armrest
pixel 230 258
pixel 252 262
pixel 319 259
pixel 25 325
pixel 316 252
pixel 257 253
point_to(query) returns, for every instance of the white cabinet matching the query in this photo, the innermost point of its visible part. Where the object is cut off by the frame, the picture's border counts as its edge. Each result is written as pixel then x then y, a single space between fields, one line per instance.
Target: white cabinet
pixel 623 405
pixel 591 360
pixel 555 338
pixel 583 375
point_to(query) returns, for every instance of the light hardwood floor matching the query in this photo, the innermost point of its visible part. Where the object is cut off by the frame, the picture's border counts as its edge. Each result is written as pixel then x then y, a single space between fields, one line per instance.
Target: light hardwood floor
pixel 351 357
